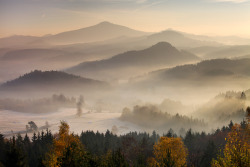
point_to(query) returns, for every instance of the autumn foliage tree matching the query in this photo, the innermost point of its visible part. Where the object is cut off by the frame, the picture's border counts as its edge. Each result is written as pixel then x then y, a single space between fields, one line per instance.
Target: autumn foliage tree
pixel 169 152
pixel 237 148
pixel 67 150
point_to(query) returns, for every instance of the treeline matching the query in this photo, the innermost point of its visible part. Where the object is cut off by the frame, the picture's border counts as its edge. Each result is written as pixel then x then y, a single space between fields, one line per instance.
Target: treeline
pixel 25 151
pixel 42 105
pixel 223 108
pixel 132 149
pixel 152 117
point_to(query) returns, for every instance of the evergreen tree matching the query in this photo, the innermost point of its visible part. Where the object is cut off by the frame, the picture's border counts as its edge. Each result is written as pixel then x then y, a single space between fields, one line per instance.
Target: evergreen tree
pixel 209 154
pixel 15 157
pixel 2 149
pixel 114 159
pixel 34 137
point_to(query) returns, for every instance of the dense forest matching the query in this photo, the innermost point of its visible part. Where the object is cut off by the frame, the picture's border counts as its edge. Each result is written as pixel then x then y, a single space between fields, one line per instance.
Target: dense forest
pixel 228 146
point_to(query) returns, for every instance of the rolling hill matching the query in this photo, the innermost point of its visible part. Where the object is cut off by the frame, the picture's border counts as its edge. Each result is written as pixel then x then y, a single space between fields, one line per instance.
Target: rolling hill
pixel 133 63
pixel 206 73
pixel 194 83
pixel 53 81
pixel 229 52
pixel 30 54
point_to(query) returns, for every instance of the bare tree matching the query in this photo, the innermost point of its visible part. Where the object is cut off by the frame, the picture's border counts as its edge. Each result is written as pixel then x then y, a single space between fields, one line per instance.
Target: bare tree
pixel 79 105
pixel 31 127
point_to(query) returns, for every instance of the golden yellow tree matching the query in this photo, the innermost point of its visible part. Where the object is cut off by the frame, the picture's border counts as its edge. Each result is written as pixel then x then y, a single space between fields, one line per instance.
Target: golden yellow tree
pixel 67 150
pixel 169 152
pixel 237 148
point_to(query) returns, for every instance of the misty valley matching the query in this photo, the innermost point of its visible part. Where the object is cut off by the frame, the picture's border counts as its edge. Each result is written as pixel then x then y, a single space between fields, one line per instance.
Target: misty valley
pixel 108 95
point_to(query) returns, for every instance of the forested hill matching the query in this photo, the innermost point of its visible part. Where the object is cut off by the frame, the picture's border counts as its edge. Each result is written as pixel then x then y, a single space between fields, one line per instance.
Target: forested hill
pixel 205 72
pixel 51 80
pixel 215 67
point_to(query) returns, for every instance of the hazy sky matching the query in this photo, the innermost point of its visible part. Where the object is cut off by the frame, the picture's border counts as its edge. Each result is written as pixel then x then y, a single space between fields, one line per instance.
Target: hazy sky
pixel 40 17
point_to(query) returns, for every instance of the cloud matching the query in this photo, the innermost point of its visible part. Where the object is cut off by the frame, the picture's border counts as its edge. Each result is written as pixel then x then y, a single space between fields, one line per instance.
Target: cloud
pixel 149 4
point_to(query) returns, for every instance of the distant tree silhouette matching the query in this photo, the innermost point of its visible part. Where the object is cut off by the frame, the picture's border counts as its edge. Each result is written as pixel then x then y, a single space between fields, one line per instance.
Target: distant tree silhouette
pixel 243 96
pixel 79 106
pixel 31 127
pixel 114 129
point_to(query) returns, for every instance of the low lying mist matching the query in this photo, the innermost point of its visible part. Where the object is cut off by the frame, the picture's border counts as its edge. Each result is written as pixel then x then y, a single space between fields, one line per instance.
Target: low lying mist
pixel 217 112
pixel 42 105
pixel 152 117
pixel 224 108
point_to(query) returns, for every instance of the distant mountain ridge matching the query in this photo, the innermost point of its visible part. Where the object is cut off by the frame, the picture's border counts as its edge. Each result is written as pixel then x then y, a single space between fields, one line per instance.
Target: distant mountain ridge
pixel 99 32
pixel 106 31
pixel 229 52
pixel 66 49
pixel 17 40
pixel 160 54
pixel 178 39
pixel 29 54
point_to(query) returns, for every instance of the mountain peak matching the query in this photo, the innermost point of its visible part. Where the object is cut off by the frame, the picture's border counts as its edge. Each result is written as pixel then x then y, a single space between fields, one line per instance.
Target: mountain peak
pixel 172 33
pixel 99 32
pixel 105 23
pixel 162 45
pixel 165 44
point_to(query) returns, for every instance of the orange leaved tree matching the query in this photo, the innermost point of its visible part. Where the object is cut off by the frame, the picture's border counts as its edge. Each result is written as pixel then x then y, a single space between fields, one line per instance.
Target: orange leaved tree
pixel 169 152
pixel 67 150
pixel 237 148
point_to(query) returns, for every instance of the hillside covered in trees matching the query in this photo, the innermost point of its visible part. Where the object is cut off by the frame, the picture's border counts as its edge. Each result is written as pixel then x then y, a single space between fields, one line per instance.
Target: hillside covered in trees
pixel 51 81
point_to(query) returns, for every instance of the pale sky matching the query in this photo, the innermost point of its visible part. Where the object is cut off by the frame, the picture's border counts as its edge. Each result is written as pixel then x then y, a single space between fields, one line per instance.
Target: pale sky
pixel 209 17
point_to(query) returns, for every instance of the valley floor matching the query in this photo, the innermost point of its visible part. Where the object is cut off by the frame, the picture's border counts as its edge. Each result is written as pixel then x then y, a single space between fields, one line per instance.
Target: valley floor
pixel 15 122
